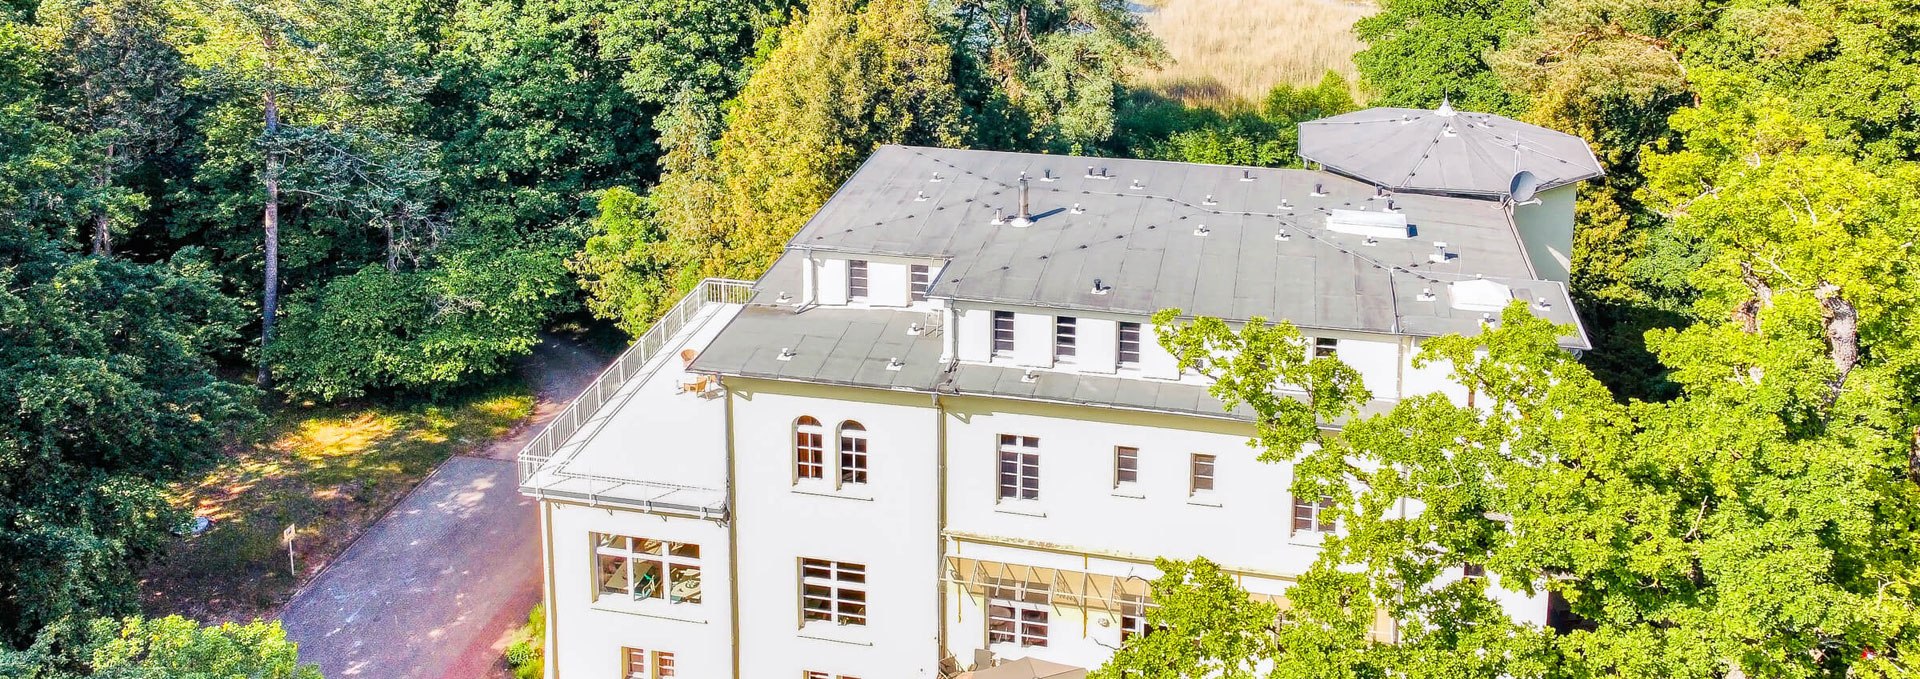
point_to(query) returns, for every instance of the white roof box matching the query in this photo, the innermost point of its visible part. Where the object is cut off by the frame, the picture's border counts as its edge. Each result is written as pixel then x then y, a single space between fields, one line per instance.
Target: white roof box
pixel 1479 295
pixel 1372 224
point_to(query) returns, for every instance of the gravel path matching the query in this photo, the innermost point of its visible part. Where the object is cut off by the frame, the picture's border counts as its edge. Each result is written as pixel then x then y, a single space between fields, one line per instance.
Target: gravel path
pixel 433 590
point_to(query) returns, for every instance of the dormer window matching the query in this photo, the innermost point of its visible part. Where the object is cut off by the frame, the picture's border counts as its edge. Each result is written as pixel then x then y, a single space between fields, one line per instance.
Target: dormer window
pixel 1003 333
pixel 857 280
pixel 1066 338
pixel 919 277
pixel 1129 354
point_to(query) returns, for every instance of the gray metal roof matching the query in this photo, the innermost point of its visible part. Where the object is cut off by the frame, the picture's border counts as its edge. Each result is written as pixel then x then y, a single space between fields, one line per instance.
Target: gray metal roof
pixel 1134 225
pixel 1445 151
pixel 853 347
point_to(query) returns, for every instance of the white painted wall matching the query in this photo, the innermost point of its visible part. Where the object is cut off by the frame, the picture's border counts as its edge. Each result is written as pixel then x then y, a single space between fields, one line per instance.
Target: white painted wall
pixel 1099 338
pixel 589 630
pixel 1244 522
pixel 1033 340
pixel 887 283
pixel 1546 230
pixel 974 334
pixel 832 280
pixel 889 525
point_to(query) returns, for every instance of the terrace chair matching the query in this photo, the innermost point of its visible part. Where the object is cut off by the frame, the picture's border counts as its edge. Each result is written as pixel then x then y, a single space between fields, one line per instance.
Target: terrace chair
pixel 690 381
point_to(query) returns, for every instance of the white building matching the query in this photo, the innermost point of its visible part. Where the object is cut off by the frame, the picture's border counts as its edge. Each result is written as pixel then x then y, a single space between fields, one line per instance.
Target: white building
pixel 940 433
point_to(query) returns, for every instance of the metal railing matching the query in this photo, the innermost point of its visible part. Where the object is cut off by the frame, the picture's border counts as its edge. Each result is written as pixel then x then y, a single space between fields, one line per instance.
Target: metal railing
pixel 631 364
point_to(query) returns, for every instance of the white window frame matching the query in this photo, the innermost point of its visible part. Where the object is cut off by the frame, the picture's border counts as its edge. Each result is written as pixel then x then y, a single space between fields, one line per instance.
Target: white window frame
pixel 659 665
pixel 1315 516
pixel 857 280
pixel 805 469
pixel 854 461
pixel 1325 347
pixel 1195 477
pixel 1015 603
pixel 1019 467
pixel 609 546
pixel 1126 462
pixel 1003 336
pixel 919 279
pixel 1066 339
pixel 1121 341
pixel 1133 618
pixel 845 600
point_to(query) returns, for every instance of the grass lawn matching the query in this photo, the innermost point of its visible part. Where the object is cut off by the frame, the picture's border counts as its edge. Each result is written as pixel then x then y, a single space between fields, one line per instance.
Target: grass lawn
pixel 1226 51
pixel 329 470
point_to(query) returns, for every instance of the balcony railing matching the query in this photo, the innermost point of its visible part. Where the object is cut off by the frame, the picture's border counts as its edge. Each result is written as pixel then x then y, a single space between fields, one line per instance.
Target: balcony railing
pixel 632 364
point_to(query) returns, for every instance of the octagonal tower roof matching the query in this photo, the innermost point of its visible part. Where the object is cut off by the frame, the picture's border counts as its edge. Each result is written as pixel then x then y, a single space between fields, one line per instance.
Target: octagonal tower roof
pixel 1446 151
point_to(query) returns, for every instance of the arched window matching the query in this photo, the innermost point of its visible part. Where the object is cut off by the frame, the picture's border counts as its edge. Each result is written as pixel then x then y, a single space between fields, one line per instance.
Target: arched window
pixel 853 452
pixel 809 449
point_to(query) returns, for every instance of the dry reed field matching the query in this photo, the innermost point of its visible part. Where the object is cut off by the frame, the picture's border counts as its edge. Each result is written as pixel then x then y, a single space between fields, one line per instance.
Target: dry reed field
pixel 1239 49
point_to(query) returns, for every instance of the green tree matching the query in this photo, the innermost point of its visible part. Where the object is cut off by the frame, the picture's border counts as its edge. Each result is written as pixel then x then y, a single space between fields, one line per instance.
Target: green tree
pixel 165 648
pixel 122 94
pixel 1201 625
pixel 320 84
pixel 1058 63
pixel 842 82
pixel 1263 134
pixel 106 374
pixel 1421 51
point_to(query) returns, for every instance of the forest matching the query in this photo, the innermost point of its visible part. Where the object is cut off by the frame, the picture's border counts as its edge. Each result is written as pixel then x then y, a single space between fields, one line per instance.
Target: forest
pixel 212 210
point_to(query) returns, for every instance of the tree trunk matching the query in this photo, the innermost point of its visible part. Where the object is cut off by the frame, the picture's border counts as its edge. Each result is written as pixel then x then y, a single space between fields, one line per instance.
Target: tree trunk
pixel 270 224
pixel 102 233
pixel 1843 333
pixel 1747 314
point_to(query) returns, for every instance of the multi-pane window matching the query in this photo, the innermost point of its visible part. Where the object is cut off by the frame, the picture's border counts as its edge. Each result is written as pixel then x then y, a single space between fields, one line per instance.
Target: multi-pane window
pixel 646 569
pixel 1133 619
pixel 1003 333
pixel 857 280
pixel 1019 467
pixel 635 662
pixel 1129 345
pixel 1325 347
pixel 834 591
pixel 1017 613
pixel 1313 515
pixel 853 452
pixel 919 277
pixel 1126 466
pixel 809 449
pixel 1202 473
pixel 1066 338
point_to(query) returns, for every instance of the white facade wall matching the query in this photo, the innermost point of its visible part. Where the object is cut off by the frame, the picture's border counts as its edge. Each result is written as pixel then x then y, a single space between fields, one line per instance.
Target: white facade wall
pixel 1243 522
pixel 889 525
pixel 587 630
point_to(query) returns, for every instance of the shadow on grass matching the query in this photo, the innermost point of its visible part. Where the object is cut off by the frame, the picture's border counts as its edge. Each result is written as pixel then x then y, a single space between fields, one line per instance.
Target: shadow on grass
pixel 328 470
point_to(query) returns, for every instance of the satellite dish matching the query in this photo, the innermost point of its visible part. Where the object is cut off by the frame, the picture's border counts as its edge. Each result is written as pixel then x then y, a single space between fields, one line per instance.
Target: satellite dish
pixel 1524 186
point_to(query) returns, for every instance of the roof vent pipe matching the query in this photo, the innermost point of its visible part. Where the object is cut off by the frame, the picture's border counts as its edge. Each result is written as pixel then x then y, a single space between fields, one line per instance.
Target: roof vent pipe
pixel 1025 218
